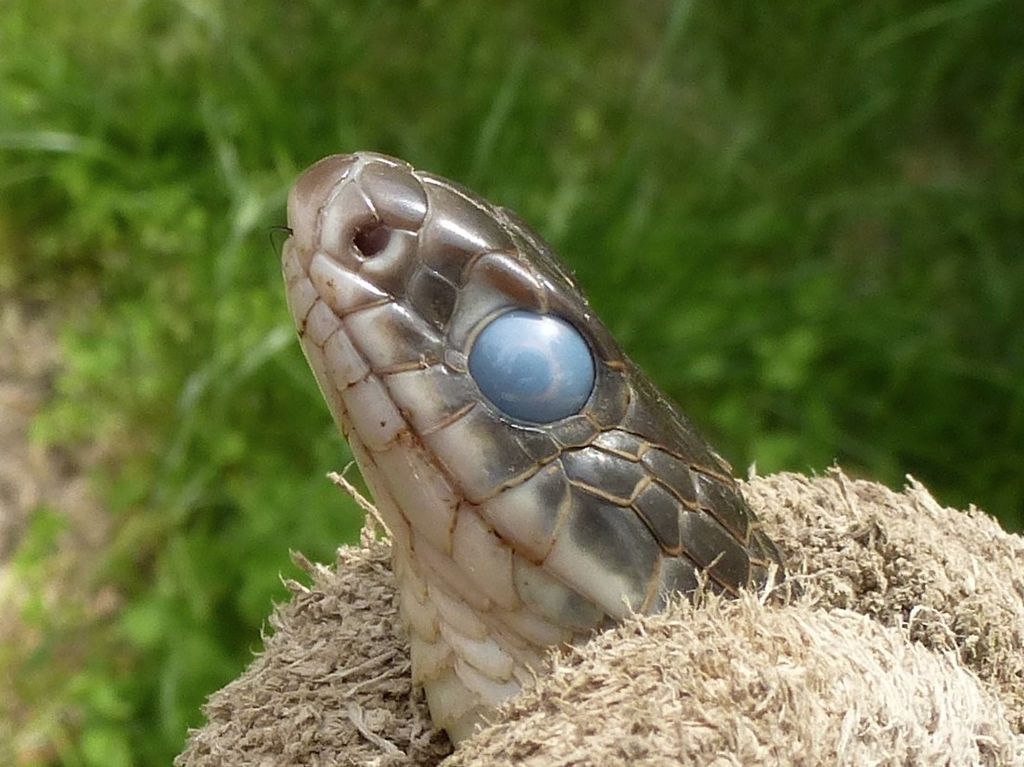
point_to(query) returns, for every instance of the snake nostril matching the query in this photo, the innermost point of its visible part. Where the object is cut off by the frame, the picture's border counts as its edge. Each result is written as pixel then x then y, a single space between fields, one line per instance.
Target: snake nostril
pixel 372 240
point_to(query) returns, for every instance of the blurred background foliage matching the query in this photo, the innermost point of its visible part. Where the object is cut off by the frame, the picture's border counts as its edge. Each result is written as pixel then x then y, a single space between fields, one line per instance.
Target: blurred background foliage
pixel 804 220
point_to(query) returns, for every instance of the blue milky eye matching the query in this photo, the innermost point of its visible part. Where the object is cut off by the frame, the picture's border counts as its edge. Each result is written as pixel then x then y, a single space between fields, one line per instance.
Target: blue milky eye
pixel 532 367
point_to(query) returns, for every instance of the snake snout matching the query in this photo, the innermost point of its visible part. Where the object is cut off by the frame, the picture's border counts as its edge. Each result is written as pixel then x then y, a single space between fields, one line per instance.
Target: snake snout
pixel 363 211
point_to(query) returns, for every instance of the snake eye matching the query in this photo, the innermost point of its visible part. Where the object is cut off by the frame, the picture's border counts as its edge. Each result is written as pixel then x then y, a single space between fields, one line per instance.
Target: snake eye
pixel 533 367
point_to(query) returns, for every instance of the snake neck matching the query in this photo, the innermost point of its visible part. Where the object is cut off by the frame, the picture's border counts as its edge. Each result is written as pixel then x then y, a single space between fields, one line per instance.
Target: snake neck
pixel 474 640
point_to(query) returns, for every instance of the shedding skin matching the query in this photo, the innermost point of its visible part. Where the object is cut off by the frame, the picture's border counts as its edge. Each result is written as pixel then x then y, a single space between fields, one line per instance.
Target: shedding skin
pixel 509 535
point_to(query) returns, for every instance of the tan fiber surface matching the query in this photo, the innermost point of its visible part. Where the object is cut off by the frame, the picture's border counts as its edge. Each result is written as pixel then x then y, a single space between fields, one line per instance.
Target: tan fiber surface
pixel 907 647
pixel 332 686
pixel 745 685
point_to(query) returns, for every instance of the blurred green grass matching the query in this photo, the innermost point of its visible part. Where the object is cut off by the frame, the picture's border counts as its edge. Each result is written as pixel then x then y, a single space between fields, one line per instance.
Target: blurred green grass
pixel 805 222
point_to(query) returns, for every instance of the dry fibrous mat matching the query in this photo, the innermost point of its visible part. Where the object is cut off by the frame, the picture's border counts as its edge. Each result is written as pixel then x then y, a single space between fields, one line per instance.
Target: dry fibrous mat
pixel 906 646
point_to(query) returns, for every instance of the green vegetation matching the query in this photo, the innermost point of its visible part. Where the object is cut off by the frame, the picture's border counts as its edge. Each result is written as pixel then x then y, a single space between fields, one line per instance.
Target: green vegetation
pixel 805 221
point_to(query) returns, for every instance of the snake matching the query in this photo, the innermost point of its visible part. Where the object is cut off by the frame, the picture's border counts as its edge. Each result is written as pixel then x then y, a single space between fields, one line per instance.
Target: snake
pixel 536 486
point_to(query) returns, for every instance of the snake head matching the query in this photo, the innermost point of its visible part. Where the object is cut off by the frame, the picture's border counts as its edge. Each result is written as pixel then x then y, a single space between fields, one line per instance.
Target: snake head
pixel 536 484
pixel 451 310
